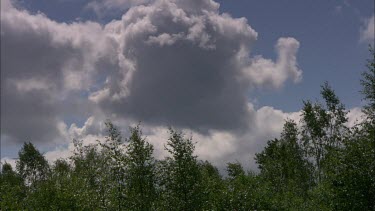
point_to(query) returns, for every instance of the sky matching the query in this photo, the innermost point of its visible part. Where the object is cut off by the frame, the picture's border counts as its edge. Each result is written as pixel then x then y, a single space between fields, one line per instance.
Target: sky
pixel 228 73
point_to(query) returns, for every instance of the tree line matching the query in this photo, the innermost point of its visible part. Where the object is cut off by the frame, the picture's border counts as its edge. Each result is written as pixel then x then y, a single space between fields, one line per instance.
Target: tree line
pixel 318 164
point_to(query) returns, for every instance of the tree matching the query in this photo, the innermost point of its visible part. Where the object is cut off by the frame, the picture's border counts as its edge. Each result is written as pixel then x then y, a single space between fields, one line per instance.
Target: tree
pixel 214 188
pixel 323 129
pixel 32 166
pixel 239 193
pixel 368 87
pixel 114 148
pixel 13 190
pixel 355 182
pixel 140 172
pixel 92 178
pixel 61 180
pixel 183 186
pixel 235 170
pixel 283 166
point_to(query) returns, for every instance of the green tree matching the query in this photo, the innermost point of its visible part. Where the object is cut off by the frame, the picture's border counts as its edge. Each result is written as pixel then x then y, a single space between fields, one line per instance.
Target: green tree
pixel 36 172
pixel 213 187
pixel 114 152
pixel 349 183
pixel 183 180
pixel 91 177
pixel 239 188
pixel 60 180
pixel 31 165
pixel 284 169
pixel 140 172
pixel 354 183
pixel 368 87
pixel 323 129
pixel 13 190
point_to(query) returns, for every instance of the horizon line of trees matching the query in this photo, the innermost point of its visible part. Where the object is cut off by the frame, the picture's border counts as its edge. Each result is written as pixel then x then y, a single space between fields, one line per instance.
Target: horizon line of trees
pixel 321 165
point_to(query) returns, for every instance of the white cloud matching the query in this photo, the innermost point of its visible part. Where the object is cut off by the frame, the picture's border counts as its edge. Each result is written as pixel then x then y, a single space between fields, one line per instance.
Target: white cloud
pixel 169 62
pixel 219 147
pixel 265 72
pixel 167 54
pixel 45 64
pixel 355 116
pixel 367 31
pixel 179 62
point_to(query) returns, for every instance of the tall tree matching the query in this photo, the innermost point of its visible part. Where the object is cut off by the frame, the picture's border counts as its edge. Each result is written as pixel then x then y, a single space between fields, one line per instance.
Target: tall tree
pixel 282 160
pixel 92 177
pixel 213 187
pixel 239 189
pixel 355 182
pixel 183 183
pixel 323 128
pixel 284 168
pixel 32 166
pixel 61 181
pixel 114 148
pixel 140 176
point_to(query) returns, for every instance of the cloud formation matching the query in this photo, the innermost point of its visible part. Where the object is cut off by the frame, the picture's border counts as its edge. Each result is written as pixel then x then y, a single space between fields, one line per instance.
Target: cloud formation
pixel 185 64
pixel 45 66
pixel 168 62
pixel 265 72
pixel 219 147
pixel 367 31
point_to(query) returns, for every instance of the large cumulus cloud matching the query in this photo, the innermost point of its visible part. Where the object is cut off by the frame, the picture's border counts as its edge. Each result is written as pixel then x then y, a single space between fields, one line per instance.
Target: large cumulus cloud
pixel 185 64
pixel 165 62
pixel 168 62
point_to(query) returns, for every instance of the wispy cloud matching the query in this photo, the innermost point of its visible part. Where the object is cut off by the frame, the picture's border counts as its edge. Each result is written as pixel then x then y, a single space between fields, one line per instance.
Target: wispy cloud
pixel 367 31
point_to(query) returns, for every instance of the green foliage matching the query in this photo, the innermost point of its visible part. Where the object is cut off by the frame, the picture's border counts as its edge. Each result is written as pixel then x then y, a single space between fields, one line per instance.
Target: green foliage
pixel 114 152
pixel 213 188
pixel 323 129
pixel 368 87
pixel 140 177
pixel 282 162
pixel 92 183
pixel 32 166
pixel 239 189
pixel 183 179
pixel 235 170
pixel 13 190
pixel 287 174
pixel 354 184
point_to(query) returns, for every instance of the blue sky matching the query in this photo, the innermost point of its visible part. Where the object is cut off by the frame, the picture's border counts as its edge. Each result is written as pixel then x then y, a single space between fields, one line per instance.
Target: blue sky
pixel 217 76
pixel 330 48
